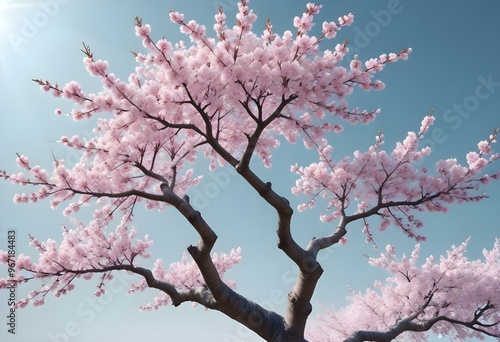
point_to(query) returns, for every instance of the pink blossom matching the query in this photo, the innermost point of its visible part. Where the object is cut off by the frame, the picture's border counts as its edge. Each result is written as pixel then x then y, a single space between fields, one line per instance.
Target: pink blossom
pixel 355 63
pixel 97 68
pixel 19 178
pixel 176 17
pixel 313 8
pixel 450 289
pixel 484 147
pixel 426 123
pixel 72 90
pixel 143 31
pixel 23 161
pixel 346 20
pixel 99 292
pixel 4 256
pixel 24 263
pixel 304 24
pixel 38 302
pixel 164 46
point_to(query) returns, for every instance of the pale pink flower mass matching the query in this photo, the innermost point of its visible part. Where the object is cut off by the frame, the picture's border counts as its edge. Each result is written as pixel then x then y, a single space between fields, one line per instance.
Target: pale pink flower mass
pixel 431 292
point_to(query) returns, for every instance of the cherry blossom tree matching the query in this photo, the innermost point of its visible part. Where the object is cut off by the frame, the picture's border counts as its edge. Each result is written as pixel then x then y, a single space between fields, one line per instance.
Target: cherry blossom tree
pixel 232 99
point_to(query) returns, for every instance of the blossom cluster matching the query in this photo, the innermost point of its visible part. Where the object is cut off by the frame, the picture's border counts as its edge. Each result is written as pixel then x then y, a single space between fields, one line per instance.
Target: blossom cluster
pixel 208 97
pixel 81 252
pixel 391 184
pixel 185 275
pixel 457 295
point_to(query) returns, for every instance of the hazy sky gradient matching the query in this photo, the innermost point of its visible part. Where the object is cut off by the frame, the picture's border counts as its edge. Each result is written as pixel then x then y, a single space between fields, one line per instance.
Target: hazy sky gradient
pixel 453 69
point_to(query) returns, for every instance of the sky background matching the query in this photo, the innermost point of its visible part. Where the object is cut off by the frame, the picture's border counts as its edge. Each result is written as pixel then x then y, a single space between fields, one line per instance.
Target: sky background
pixel 455 51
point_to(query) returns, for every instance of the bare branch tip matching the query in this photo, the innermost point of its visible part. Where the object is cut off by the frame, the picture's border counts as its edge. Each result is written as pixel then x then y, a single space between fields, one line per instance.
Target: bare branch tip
pixel 86 50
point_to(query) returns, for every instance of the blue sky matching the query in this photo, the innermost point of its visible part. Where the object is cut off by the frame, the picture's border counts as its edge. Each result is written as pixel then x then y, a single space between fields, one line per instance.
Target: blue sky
pixel 453 69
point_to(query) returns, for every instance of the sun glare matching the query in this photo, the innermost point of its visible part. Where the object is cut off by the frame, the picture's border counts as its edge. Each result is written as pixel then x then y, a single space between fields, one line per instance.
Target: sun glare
pixel 5 5
pixel 6 10
pixel 4 26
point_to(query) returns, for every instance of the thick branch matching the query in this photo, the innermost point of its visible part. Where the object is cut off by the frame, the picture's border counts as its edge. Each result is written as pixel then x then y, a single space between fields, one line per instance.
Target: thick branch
pixel 175 125
pixel 150 173
pixel 408 325
pixel 227 301
pixel 310 271
pixel 317 244
pixel 261 125
pixel 299 298
pixel 207 235
pixel 127 193
pixel 199 295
